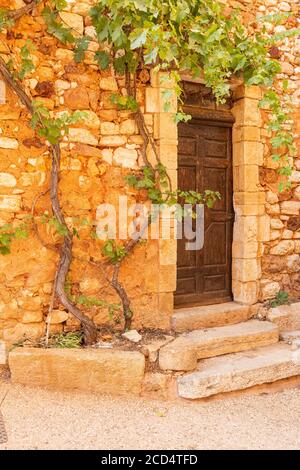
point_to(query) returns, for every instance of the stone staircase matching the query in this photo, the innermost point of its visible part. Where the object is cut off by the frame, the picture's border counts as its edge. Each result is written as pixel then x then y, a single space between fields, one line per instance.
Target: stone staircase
pixel 227 351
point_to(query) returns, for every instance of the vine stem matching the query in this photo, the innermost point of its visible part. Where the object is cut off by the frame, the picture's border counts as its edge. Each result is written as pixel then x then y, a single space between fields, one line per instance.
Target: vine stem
pixel 88 326
pixel 16 14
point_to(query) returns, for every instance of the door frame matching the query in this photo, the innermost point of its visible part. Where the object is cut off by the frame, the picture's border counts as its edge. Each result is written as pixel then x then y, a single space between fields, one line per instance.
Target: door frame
pixel 252 224
pixel 218 118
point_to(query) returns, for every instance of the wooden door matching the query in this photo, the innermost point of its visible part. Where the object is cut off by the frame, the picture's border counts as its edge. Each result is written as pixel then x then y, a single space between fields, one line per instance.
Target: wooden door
pixel 204 162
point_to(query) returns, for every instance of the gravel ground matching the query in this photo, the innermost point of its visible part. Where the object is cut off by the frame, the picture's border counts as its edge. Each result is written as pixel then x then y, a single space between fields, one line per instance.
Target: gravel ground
pixel 40 419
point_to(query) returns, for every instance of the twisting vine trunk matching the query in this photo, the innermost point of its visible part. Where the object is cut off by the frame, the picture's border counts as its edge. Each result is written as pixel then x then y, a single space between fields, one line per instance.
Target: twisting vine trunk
pixel 88 326
pixel 121 291
pixel 16 14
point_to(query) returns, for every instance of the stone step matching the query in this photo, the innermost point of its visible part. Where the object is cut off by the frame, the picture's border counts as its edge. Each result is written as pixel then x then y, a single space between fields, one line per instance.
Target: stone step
pixel 291 337
pixel 184 352
pixel 239 371
pixel 229 313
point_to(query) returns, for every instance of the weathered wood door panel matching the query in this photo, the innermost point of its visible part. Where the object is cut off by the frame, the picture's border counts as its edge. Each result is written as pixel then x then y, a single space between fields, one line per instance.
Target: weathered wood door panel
pixel 204 162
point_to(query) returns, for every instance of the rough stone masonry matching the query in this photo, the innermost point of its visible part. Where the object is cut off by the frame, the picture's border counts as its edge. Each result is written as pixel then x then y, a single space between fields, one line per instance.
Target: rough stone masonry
pixel 97 154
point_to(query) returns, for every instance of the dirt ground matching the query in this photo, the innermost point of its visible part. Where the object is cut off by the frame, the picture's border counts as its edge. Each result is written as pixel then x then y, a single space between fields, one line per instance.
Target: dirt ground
pixel 40 419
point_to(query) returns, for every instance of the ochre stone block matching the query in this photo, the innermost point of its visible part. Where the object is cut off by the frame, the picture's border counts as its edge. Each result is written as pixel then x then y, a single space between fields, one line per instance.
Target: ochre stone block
pixel 246 133
pixel 165 126
pixel 245 250
pixel 246 269
pixel 244 91
pixel 245 292
pixel 245 229
pixel 248 153
pixel 247 113
pixel 99 371
pixel 167 252
pixel 246 178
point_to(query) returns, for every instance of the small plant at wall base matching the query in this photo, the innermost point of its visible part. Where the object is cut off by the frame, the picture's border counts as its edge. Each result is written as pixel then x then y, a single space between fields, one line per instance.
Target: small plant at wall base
pixel 281 298
pixel 171 36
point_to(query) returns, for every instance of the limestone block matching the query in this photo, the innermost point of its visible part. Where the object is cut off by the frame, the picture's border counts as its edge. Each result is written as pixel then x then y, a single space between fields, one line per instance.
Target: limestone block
pixel 247 113
pixel 284 247
pixel 151 349
pixel 109 128
pixel 246 269
pixel 165 126
pixel 160 100
pixel 245 292
pixel 7 114
pixel 62 85
pixel 108 84
pixel 23 331
pixel 246 133
pixel 245 250
pixel 246 178
pixel 161 79
pixel 7 180
pixel 271 197
pixel 112 141
pixel 156 383
pixel 107 155
pixel 293 263
pixel 295 177
pixel 64 54
pixel 248 153
pixel 32 317
pixel 82 136
pixel 297 246
pixel 251 91
pixel 281 316
pixel 269 289
pixel 99 371
pixel 58 316
pixel 193 318
pixel 168 155
pixel 263 228
pixel 83 7
pixel 72 20
pixel 210 342
pixel 127 158
pixel 276 224
pixel 249 198
pixel 178 355
pixel 128 127
pixel 90 119
pixel 10 203
pixel 8 143
pixel 90 286
pixel 77 98
pixel 275 235
pixel 167 252
pixel 167 278
pixel 245 229
pixel 272 209
pixel 287 234
pixel 239 371
pixel 290 207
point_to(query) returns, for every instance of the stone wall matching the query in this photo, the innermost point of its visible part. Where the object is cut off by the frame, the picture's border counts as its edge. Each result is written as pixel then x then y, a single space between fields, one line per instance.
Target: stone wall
pixel 280 264
pixel 96 156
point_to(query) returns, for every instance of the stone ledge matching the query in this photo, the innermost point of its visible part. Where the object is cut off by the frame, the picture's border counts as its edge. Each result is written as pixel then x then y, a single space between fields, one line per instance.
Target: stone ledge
pixel 286 317
pixel 101 371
